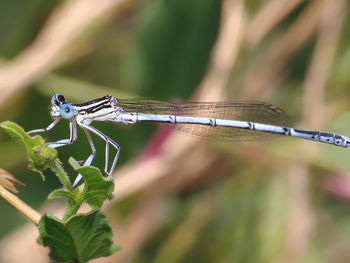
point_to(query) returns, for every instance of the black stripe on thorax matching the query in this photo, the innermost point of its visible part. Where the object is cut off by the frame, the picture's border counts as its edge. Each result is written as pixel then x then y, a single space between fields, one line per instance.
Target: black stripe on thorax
pixel 95 105
pixel 102 99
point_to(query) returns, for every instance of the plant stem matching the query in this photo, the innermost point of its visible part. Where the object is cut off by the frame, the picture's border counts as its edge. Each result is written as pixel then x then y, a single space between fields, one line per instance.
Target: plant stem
pixel 62 176
pixel 22 207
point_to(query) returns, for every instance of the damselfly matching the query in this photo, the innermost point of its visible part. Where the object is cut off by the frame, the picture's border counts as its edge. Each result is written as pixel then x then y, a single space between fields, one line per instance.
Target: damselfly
pixel 228 121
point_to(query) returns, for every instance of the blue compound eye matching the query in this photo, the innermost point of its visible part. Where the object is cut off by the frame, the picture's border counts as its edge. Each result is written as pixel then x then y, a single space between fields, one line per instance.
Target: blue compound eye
pixel 58 99
pixel 67 111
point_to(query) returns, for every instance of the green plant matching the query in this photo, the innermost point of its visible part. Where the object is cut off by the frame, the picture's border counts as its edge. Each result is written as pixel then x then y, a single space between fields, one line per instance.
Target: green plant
pixel 75 237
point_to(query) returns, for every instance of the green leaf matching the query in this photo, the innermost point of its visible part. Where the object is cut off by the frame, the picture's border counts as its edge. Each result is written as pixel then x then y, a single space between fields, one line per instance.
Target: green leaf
pixel 82 238
pixel 41 157
pixel 75 199
pixel 96 187
pixel 59 193
pixel 95 190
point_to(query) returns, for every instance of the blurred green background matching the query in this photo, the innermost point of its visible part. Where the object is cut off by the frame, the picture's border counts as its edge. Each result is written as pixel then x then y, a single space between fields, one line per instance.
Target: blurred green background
pixel 282 200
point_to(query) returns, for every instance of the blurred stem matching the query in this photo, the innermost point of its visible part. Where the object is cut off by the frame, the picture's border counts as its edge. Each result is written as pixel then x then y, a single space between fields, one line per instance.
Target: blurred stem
pixel 22 207
pixel 62 176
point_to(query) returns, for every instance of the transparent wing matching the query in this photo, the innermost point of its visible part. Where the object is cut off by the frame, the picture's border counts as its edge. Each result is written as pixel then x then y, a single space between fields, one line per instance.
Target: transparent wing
pixel 260 112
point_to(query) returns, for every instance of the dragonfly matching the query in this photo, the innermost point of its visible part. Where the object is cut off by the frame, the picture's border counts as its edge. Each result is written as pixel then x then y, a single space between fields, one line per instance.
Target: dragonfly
pixel 222 121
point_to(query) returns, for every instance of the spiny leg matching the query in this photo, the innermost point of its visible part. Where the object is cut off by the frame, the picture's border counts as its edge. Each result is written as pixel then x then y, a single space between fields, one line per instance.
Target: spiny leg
pixel 92 146
pixel 106 157
pixel 72 137
pixel 108 141
pixel 47 128
pixel 89 159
